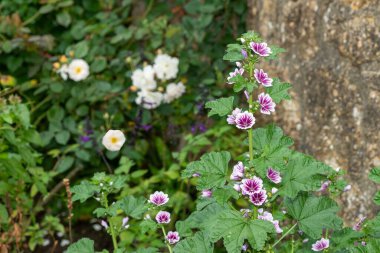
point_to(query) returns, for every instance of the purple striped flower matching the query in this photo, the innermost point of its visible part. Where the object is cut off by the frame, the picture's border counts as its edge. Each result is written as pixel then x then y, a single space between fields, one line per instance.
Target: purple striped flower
pixel 250 186
pixel 245 120
pixel 163 217
pixel 158 198
pixel 196 175
pixel 258 198
pixel 266 103
pixel 206 193
pixel 321 244
pixel 124 223
pixel 262 77
pixel 172 237
pixel 231 119
pixel 261 49
pixel 277 227
pixel 325 185
pixel 238 172
pixel 237 71
pixel 274 176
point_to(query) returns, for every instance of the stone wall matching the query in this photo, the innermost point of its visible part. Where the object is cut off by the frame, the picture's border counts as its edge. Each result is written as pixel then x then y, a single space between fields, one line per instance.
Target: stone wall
pixel 333 61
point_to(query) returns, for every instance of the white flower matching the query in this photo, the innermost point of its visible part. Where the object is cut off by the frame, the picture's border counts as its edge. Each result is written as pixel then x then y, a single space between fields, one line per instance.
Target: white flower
pixel 174 91
pixel 144 78
pixel 166 67
pixel 149 99
pixel 113 140
pixel 78 70
pixel 64 71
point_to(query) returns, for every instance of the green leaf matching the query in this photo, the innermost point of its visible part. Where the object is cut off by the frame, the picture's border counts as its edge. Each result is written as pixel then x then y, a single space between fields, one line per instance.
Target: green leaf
pixel 63 137
pixel 83 191
pixel 64 18
pixel 222 195
pixel 374 175
pixel 233 53
pixel 46 9
pixel 213 168
pixel 148 225
pixel 200 242
pixel 302 173
pixel 81 49
pixel 235 229
pixel 275 52
pixel 376 199
pixel 345 238
pixel 65 163
pixel 271 147
pixel 204 217
pixel 3 214
pixel 279 91
pixel 221 106
pixel 134 207
pixel 147 250
pixel 314 214
pixel 84 245
pixel 99 65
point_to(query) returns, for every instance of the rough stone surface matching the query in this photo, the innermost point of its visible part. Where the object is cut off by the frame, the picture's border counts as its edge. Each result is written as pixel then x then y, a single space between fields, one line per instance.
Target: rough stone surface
pixel 333 61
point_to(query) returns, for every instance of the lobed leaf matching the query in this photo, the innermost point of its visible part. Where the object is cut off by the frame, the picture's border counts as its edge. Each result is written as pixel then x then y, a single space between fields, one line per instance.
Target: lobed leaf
pixel 221 106
pixel 279 91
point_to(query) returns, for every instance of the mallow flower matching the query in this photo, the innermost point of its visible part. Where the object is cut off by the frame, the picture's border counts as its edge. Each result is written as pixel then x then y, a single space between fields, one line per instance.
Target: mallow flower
pixel 274 176
pixel 250 186
pixel 206 193
pixel 237 172
pixel 163 217
pixel 321 244
pixel 258 198
pixel 166 67
pixel 245 120
pixel 174 91
pixel 237 71
pixel 262 77
pixel 124 223
pixel 158 198
pixel 266 103
pixel 78 70
pixel 172 237
pixel 113 140
pixel 149 99
pixel 261 49
pixel 231 119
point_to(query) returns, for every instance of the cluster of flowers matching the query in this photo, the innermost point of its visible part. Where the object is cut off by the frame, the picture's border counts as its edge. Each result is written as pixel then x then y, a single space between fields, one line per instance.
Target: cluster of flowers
pixel 149 95
pixel 163 217
pixel 75 69
pixel 245 119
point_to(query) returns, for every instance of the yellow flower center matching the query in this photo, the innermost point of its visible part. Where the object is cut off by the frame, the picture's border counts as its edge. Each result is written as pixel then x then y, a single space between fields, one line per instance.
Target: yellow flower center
pixel 78 70
pixel 114 140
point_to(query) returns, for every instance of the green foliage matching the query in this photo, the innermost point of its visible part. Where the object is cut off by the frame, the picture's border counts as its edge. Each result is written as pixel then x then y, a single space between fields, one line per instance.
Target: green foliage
pixel 279 91
pixel 221 106
pixel 313 214
pixel 200 242
pixel 84 245
pixel 235 229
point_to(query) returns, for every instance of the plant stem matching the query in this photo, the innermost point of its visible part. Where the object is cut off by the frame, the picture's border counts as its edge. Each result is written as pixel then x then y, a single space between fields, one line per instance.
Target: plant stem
pixel 254 212
pixel 250 140
pixel 114 241
pixel 167 244
pixel 284 235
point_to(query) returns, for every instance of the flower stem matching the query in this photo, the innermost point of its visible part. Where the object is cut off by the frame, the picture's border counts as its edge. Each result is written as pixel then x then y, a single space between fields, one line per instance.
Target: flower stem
pixel 250 140
pixel 167 244
pixel 284 235
pixel 114 241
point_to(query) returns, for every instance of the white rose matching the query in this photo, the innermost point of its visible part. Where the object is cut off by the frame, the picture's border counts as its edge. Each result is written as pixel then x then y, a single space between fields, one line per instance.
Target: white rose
pixel 174 91
pixel 144 78
pixel 149 99
pixel 166 67
pixel 78 70
pixel 113 140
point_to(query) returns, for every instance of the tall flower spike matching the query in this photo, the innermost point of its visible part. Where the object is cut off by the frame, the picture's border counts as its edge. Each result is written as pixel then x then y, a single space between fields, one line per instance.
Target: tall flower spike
pixel 172 237
pixel 261 49
pixel 245 120
pixel 158 198
pixel 262 77
pixel 250 186
pixel 320 245
pixel 163 217
pixel 266 103
pixel 258 198
pixel 274 176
